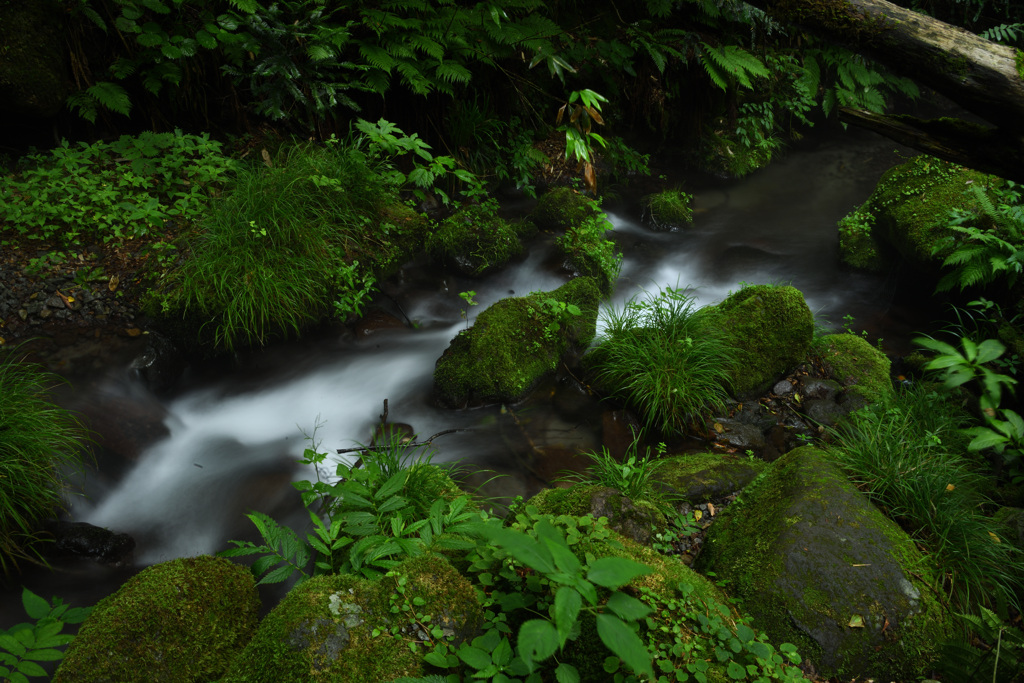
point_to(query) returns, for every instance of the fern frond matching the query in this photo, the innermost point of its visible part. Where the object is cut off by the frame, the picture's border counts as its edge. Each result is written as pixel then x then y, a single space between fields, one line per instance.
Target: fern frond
pixel 377 57
pixel 428 46
pixel 112 96
pixel 736 62
pixel 452 73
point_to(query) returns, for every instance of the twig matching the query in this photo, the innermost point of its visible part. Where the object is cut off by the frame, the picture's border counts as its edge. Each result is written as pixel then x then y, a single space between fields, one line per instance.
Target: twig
pixel 363 449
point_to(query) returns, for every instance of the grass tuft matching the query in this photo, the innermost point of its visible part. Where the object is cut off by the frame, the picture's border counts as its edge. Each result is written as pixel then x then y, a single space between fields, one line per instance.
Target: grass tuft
pixel 654 355
pixel 37 440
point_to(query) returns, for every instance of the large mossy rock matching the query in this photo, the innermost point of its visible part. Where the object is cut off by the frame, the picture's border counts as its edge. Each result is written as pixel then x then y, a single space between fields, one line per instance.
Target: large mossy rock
pixel 324 628
pixel 817 565
pixel 181 621
pixel 858 366
pixel 514 343
pixel 475 240
pixel 770 327
pixel 700 477
pixel 582 228
pixel 908 213
pixel 634 519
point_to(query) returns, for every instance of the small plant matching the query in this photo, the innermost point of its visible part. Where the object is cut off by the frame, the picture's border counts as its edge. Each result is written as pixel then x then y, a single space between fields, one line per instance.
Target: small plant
pixel 655 355
pixel 580 113
pixel 681 526
pixel 470 301
pixel 997 649
pixel 24 645
pixel 633 477
pixel 588 252
pixel 668 210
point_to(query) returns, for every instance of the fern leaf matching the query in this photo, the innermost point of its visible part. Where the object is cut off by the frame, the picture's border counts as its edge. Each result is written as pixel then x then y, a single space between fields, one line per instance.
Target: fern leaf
pixel 112 96
pixel 377 57
pixel 736 62
pixel 428 46
pixel 319 52
pixel 452 73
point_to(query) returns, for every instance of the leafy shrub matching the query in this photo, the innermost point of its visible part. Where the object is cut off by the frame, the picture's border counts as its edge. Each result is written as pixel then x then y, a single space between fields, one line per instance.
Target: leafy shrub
pixel 651 356
pixel 22 646
pixel 633 477
pixel 112 192
pixel 395 506
pixel 994 250
pixel 37 440
pixel 272 254
pixel 906 453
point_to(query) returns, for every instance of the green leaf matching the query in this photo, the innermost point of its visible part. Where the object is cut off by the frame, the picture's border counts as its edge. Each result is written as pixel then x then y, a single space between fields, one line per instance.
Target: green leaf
pixel 11 644
pixel 613 572
pixel 30 668
pixel 538 640
pixel 567 608
pixel 35 606
pixel 567 673
pixel 736 672
pixel 112 96
pixel 474 657
pixel 627 607
pixel 622 641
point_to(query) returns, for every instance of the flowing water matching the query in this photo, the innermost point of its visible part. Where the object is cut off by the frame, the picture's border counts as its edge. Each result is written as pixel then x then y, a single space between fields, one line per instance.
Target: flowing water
pixel 234 436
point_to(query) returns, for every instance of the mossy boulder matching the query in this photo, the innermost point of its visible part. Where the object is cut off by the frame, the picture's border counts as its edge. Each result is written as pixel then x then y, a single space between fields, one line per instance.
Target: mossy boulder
pixel 634 519
pixel 514 343
pixel 562 208
pixel 908 214
pixel 402 232
pixel 771 328
pixel 475 240
pixel 582 239
pixel 817 565
pixel 700 477
pixel 180 621
pixel 323 630
pixel 667 210
pixel 858 366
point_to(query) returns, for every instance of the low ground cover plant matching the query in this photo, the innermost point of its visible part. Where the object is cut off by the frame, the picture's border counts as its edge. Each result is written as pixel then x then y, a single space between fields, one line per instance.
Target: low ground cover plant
pixel 651 356
pixel 24 645
pixel 38 439
pixel 113 192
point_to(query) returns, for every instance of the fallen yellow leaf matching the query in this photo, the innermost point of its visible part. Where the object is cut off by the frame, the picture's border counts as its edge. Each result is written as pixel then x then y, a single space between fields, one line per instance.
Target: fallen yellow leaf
pixel 950 487
pixel 856 621
pixel 697 514
pixel 994 537
pixel 719 428
pixel 711 509
pixel 114 281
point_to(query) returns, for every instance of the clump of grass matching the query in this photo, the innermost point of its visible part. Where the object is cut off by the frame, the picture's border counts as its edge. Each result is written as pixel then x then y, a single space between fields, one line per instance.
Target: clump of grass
pixel 37 440
pixel 656 355
pixel 633 477
pixel 905 452
pixel 271 256
pixel 668 209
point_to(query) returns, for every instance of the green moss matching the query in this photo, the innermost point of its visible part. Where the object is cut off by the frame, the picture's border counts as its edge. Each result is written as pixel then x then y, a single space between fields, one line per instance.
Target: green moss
pixel 513 344
pixel 563 208
pixel 323 629
pixel 858 246
pixel 179 621
pixel 700 477
pixel 633 518
pixel 668 209
pixel 398 238
pixel 911 206
pixel 782 546
pixel 856 364
pixel 771 328
pixel 475 239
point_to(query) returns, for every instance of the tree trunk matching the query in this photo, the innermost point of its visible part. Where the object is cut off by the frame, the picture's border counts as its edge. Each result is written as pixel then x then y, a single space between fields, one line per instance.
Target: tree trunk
pixel 983 77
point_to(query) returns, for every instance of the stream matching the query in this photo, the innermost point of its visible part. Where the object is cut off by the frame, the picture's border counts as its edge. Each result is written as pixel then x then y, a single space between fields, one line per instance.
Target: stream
pixel 233 435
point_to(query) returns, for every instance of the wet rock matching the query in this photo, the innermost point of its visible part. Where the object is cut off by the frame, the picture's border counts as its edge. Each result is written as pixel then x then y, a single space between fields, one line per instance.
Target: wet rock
pixel 126 418
pixel 633 519
pixel 83 540
pixel 618 431
pixel 740 436
pixel 378 321
pixel 783 388
pixel 824 389
pixel 824 412
pixel 55 302
pixel 814 561
pixel 160 365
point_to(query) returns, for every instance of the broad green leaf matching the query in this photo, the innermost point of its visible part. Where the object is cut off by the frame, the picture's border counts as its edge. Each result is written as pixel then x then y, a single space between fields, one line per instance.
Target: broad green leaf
pixel 567 608
pixel 35 606
pixel 622 641
pixel 937 346
pixel 392 486
pixel 612 572
pixel 502 654
pixel 538 640
pixel 474 657
pixel 737 672
pixel 988 351
pixel 627 607
pixel 278 575
pixel 12 645
pixel 30 668
pixel 47 654
pixel 567 673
